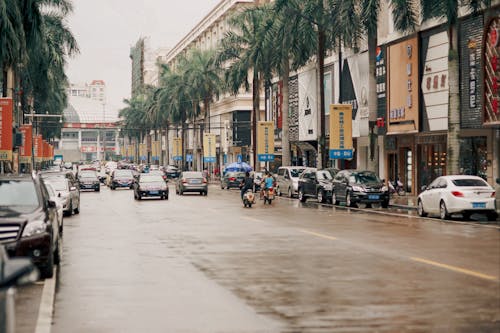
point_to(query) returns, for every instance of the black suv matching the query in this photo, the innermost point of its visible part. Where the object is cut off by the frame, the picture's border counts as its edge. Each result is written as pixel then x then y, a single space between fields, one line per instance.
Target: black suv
pixel 316 184
pixel 353 187
pixel 28 221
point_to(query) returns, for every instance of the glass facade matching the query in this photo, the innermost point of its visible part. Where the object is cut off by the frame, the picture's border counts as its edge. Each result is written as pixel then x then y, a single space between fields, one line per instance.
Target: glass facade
pixel 473 156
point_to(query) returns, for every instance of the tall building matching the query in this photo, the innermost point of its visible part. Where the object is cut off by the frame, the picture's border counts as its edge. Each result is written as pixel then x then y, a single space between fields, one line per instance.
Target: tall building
pixel 95 90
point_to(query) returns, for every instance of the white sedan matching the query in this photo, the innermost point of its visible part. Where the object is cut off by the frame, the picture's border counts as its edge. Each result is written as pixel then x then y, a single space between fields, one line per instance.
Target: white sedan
pixel 465 195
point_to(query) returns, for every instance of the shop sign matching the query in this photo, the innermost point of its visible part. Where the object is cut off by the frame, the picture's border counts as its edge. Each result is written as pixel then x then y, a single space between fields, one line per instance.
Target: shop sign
pixel 177 149
pixel 142 151
pixel 5 129
pixel 265 141
pixel 209 145
pixel 491 73
pixel 473 72
pixel 25 149
pixel 341 131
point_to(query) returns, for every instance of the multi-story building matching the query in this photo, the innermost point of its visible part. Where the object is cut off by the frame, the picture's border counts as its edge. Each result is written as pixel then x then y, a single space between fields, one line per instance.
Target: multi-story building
pixel 95 90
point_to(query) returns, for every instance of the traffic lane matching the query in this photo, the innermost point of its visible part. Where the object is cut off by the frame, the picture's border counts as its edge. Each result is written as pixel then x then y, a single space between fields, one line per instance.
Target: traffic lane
pixel 469 245
pixel 27 304
pixel 311 277
pixel 118 276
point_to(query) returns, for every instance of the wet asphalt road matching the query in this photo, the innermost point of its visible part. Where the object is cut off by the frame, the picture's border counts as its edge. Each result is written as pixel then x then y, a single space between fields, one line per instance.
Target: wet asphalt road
pixel 206 264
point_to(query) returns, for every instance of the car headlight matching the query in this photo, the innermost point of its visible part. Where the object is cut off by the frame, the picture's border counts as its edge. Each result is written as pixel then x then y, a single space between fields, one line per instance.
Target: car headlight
pixel 358 189
pixel 34 227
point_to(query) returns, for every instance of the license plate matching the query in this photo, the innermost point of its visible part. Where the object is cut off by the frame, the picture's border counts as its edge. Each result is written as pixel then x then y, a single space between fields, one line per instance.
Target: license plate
pixel 195 181
pixel 373 196
pixel 154 192
pixel 479 205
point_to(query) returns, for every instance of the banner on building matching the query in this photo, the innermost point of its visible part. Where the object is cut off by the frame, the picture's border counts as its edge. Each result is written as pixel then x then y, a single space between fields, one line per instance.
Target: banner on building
pixel 491 85
pixel 27 144
pixel 5 129
pixel 155 150
pixel 177 149
pixel 341 131
pixel 142 152
pixel 38 148
pixel 209 145
pixel 265 141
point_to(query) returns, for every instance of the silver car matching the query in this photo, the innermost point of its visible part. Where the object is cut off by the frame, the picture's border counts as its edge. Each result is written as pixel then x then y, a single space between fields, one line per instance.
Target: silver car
pixel 191 181
pixel 68 194
pixel 59 204
pixel 287 180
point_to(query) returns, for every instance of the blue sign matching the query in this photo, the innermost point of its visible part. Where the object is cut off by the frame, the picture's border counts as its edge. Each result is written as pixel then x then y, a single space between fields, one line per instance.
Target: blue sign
pixel 155 158
pixel 240 158
pixel 209 159
pixel 143 158
pixel 189 158
pixel 225 159
pixel 340 153
pixel 177 158
pixel 265 157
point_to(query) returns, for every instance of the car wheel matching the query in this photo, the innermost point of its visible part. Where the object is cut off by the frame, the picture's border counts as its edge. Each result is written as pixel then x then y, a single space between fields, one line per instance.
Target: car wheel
pixel 321 196
pixel 348 201
pixel 420 209
pixel 57 253
pixel 180 192
pixel 302 197
pixel 334 199
pixel 466 216
pixel 205 193
pixel 98 189
pixel 77 209
pixel 139 197
pixel 443 212
pixel 290 193
pixel 385 204
pixel 47 270
pixel 70 210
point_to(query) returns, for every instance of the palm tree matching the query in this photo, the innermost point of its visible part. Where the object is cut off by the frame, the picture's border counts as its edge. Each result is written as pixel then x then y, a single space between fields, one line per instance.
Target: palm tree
pixel 244 49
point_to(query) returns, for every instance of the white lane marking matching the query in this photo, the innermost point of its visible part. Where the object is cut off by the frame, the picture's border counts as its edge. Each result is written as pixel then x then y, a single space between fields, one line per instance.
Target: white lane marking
pixel 46 309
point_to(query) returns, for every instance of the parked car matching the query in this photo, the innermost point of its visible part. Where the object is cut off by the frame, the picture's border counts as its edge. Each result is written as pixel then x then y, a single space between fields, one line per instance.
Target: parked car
pixel 89 180
pixel 28 222
pixel 69 194
pixel 191 181
pixel 172 171
pixel 354 187
pixel 13 272
pixel 68 165
pixel 150 185
pixel 258 177
pixel 232 179
pixel 121 178
pixel 59 205
pixel 466 195
pixel 316 184
pixel 287 180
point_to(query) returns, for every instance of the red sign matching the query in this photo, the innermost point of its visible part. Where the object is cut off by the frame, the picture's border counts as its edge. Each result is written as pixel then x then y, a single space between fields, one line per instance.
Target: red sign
pixel 38 147
pixel 5 129
pixel 25 149
pixel 492 74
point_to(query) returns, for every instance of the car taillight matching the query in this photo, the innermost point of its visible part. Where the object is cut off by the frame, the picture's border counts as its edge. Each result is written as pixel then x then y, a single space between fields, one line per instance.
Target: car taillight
pixel 493 194
pixel 184 181
pixel 457 193
pixel 204 180
pixel 232 179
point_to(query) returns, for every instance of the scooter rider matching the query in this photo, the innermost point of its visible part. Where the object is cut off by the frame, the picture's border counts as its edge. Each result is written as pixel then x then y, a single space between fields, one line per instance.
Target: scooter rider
pixel 268 181
pixel 247 184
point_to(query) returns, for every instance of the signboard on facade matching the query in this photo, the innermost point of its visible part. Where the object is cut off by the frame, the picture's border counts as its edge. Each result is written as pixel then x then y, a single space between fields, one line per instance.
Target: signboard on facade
pixel 209 145
pixel 5 129
pixel 177 149
pixel 403 96
pixel 491 73
pixel 308 115
pixel 341 131
pixel 25 149
pixel 142 152
pixel 38 148
pixel 155 150
pixel 265 141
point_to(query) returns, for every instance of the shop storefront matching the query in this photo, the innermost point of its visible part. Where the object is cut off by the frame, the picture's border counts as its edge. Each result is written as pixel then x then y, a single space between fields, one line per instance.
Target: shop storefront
pixel 431 158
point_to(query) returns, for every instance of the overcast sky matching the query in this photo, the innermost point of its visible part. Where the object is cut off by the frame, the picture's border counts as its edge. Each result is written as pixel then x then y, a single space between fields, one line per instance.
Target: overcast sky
pixel 106 29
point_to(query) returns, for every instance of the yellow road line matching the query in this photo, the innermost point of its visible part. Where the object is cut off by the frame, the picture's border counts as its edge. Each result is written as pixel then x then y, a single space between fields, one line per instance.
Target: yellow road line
pixel 318 235
pixel 456 269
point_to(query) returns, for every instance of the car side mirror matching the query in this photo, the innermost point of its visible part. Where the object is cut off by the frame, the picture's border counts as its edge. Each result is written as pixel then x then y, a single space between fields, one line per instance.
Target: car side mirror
pixel 59 194
pixel 52 203
pixel 18 271
pixel 424 188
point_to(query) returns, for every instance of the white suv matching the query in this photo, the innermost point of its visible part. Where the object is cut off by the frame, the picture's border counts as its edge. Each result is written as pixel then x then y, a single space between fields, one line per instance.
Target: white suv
pixel 287 180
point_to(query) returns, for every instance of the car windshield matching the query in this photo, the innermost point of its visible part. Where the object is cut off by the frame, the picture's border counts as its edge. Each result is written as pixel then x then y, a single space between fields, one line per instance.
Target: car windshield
pixel 151 179
pixel 364 178
pixel 60 184
pixel 18 195
pixel 325 175
pixel 123 173
pixel 469 182
pixel 296 172
pixel 192 174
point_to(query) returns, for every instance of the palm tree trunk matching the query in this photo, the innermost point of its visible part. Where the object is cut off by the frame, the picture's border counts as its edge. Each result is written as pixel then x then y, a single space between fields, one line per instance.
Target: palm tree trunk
pixel 255 116
pixel 285 140
pixel 321 158
pixel 372 101
pixel 454 105
pixel 195 145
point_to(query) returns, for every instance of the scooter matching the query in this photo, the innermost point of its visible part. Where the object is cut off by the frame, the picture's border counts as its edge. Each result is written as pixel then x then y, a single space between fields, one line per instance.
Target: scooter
pixel 268 195
pixel 248 198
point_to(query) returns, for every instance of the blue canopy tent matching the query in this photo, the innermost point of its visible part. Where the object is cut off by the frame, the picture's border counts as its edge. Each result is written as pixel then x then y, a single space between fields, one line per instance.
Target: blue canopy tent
pixel 238 166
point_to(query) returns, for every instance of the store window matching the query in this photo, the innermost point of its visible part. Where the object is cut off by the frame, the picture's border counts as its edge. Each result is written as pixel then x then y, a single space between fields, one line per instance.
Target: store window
pixel 432 163
pixel 473 156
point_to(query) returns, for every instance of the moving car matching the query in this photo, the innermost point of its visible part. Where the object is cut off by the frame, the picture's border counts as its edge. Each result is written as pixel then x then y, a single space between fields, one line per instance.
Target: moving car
pixel 191 181
pixel 354 187
pixel 89 180
pixel 67 192
pixel 287 180
pixel 150 185
pixel 172 171
pixel 232 179
pixel 465 195
pixel 316 184
pixel 28 221
pixel 121 178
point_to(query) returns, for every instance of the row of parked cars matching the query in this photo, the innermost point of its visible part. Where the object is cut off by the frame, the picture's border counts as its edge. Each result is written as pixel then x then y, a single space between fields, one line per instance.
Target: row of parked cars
pixel 444 197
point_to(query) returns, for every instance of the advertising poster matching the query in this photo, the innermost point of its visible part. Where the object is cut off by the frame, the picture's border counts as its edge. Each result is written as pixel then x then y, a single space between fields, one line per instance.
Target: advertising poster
pixel 25 149
pixel 5 129
pixel 341 131
pixel 209 145
pixel 177 149
pixel 265 141
pixel 142 151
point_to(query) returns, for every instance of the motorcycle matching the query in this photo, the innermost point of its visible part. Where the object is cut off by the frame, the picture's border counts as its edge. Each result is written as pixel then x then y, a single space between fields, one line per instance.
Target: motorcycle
pixel 248 198
pixel 396 187
pixel 268 195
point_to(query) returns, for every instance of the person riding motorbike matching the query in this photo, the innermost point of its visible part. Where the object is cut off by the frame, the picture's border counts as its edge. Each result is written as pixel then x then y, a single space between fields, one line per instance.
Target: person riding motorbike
pixel 247 184
pixel 268 183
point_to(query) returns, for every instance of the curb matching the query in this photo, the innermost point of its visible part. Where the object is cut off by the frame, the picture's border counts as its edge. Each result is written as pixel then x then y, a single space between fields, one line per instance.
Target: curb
pixel 46 309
